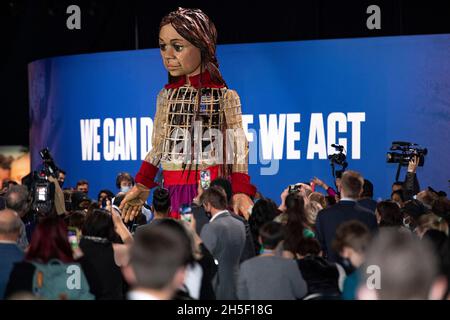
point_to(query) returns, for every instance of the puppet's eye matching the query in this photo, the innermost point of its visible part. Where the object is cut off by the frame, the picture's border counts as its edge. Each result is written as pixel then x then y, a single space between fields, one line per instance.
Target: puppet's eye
pixel 162 46
pixel 178 47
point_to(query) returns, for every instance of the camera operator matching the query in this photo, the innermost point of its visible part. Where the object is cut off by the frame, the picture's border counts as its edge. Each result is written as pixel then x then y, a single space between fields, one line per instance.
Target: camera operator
pixel 410 155
pixel 61 177
pixel 59 204
pixel 410 186
pixel 302 189
pixel 46 195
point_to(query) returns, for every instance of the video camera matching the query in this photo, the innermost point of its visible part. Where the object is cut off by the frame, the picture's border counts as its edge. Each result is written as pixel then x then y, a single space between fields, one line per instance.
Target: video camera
pixel 294 188
pixel 339 159
pixel 42 191
pixel 404 152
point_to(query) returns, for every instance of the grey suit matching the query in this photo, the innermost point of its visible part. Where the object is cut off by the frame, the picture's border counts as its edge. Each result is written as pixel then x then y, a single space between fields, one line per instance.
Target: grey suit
pixel 225 239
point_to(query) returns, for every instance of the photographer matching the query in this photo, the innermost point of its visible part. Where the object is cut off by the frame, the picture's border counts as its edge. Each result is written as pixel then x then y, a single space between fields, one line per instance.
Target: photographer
pixel 53 196
pixel 103 196
pixel 303 189
pixel 61 177
pixel 411 184
pixel 410 155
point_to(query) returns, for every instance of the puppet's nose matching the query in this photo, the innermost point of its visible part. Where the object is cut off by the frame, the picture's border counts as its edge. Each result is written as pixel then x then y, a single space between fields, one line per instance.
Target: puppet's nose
pixel 169 53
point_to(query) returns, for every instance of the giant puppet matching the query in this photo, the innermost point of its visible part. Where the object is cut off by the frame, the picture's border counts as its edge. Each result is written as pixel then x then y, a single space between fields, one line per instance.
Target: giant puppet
pixel 198 121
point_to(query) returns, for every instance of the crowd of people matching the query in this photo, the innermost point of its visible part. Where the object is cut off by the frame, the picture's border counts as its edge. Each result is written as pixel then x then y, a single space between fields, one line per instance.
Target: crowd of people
pixel 314 243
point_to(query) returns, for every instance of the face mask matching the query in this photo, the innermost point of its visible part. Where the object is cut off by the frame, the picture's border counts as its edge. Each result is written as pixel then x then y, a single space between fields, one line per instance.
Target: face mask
pixel 125 189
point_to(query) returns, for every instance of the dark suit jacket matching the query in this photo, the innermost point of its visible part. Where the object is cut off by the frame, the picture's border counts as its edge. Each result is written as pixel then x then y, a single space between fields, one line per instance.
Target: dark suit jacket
pixel 224 237
pixel 10 253
pixel 368 203
pixel 329 219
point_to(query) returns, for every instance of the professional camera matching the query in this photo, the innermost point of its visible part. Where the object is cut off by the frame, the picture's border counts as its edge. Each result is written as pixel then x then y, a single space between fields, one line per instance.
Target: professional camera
pixel 404 152
pixel 42 191
pixel 294 188
pixel 50 168
pixel 340 157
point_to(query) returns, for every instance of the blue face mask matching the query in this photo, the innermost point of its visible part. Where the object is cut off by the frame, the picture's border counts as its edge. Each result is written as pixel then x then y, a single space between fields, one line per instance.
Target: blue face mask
pixel 125 189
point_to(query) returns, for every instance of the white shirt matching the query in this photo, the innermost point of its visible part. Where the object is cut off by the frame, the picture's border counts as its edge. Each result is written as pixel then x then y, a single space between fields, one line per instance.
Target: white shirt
pixel 348 199
pixel 140 295
pixel 217 214
pixel 193 280
pixel 8 242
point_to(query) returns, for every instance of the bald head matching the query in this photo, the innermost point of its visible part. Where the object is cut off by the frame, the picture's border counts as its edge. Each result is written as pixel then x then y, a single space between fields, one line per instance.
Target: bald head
pixel 9 225
pixel 17 199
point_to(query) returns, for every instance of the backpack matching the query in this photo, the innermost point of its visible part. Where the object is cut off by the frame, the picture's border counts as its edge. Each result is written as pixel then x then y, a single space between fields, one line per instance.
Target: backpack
pixel 56 280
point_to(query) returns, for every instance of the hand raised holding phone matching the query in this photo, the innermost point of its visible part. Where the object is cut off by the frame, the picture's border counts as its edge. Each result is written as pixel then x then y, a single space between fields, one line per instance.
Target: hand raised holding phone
pixel 186 213
pixel 205 179
pixel 203 184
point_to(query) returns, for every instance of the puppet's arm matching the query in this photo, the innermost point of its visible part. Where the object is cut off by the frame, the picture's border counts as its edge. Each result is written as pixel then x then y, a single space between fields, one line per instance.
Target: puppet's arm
pixel 240 180
pixel 134 200
pixel 149 167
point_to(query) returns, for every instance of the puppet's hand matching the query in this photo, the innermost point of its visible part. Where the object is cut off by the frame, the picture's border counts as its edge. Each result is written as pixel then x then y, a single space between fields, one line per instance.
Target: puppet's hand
pixel 131 205
pixel 242 205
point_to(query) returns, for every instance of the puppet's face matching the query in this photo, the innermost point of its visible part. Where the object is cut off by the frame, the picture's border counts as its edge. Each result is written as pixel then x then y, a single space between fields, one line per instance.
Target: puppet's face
pixel 180 57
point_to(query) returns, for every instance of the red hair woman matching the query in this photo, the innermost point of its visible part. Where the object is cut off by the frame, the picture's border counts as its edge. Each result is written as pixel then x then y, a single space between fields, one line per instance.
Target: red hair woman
pixel 45 269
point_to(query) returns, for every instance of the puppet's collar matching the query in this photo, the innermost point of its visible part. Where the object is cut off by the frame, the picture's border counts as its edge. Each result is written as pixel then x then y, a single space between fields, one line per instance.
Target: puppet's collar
pixel 206 81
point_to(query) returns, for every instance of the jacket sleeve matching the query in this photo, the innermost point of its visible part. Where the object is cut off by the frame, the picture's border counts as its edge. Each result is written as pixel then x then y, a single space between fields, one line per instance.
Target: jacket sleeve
pixel 209 238
pixel 411 186
pixel 242 289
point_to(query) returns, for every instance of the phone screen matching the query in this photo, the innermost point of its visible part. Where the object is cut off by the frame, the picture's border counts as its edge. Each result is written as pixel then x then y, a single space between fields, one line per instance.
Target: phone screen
pixel 186 212
pixel 205 179
pixel 73 238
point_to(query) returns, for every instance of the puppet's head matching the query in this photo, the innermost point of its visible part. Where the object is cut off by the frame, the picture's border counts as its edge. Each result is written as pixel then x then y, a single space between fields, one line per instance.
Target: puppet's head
pixel 196 51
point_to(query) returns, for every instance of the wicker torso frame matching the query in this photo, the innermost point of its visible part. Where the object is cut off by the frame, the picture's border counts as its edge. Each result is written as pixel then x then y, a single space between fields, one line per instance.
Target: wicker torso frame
pixel 174 133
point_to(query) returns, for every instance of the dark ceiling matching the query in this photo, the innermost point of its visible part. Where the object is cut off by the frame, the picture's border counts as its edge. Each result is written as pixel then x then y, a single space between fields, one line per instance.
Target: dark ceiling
pixel 34 29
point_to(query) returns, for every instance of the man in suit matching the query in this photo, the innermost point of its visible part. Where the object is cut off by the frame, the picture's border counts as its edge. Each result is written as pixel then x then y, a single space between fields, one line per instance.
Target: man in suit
pixel 329 219
pixel 224 237
pixel 366 199
pixel 202 218
pixel 9 250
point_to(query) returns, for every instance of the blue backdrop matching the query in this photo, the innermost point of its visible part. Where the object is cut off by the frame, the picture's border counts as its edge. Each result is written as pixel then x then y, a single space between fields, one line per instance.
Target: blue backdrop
pixel 93 111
